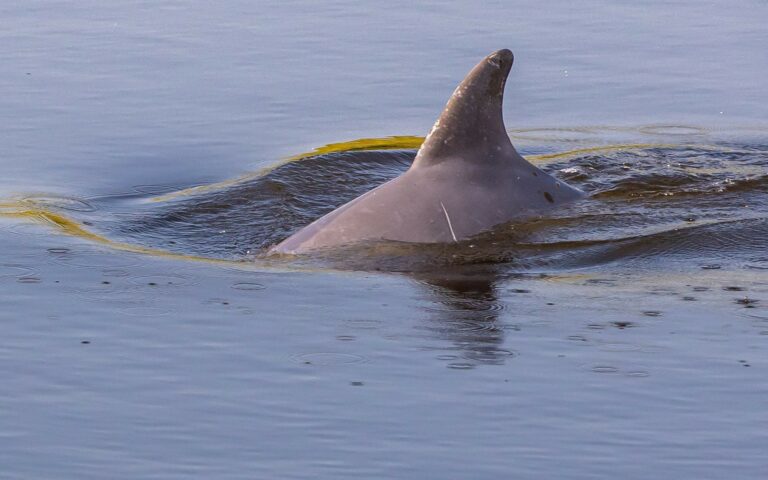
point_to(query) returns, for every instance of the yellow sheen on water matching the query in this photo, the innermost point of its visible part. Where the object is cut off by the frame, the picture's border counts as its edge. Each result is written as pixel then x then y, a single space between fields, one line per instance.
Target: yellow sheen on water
pixel 30 210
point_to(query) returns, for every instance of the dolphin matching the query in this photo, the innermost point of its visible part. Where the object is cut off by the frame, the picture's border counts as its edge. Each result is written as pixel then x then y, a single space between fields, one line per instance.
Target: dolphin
pixel 466 178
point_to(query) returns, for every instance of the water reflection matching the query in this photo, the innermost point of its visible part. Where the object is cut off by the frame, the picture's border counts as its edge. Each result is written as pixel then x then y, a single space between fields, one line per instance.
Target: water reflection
pixel 465 310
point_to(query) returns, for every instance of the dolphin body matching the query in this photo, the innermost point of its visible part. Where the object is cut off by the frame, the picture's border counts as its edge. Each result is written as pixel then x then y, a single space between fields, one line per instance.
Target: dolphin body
pixel 466 178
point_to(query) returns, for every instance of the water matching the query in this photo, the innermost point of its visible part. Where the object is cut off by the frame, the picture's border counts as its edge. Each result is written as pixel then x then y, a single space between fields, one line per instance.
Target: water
pixel 147 335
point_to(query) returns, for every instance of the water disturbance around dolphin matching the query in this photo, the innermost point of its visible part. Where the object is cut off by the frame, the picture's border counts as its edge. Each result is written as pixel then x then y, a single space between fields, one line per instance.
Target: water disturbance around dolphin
pixel 684 206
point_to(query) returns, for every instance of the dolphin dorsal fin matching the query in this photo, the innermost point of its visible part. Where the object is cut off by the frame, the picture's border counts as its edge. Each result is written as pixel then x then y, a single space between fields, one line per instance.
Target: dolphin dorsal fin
pixel 472 120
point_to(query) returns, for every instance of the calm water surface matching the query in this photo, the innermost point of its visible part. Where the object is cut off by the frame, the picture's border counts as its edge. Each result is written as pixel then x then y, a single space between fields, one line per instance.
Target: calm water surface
pixel 626 336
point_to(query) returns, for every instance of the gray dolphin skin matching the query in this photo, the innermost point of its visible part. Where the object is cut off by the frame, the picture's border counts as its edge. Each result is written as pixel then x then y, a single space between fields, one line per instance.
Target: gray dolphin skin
pixel 466 178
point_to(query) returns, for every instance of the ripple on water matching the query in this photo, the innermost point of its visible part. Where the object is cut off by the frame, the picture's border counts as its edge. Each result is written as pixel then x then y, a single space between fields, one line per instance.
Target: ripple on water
pixel 162 280
pixel 29 229
pixel 558 135
pixel 623 324
pixel 578 338
pixel 115 272
pixel 97 258
pixel 363 324
pixel 476 324
pixel 107 291
pixel 604 369
pixel 653 349
pixel 461 366
pixel 217 301
pixel 328 358
pixel 480 311
pixel 61 203
pixel 248 286
pixel 154 189
pixel 115 298
pixel 489 355
pixel 763 317
pixel 733 288
pixel 29 279
pixel 619 347
pixel 606 282
pixel 680 130
pixel 447 357
pixel 145 311
pixel 14 270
